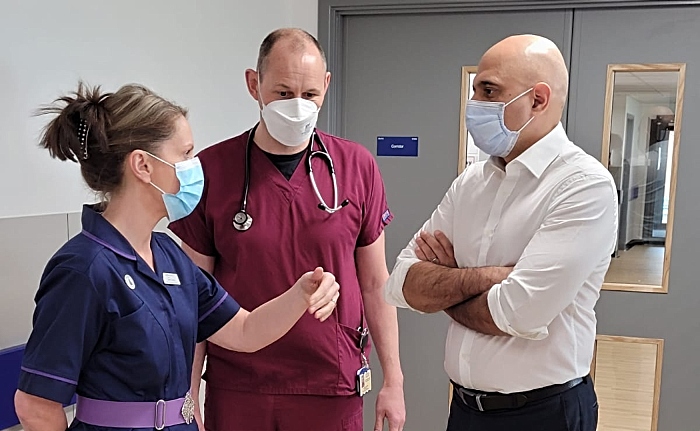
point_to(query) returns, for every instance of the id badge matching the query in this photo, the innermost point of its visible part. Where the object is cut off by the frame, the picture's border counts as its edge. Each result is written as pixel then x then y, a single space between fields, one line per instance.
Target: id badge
pixel 364 381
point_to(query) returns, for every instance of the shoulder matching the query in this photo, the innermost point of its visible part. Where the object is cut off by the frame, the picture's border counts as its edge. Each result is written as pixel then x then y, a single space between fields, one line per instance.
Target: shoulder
pixel 346 148
pixel 349 153
pixel 224 150
pixel 578 171
pixel 79 254
pixel 578 162
pixel 71 270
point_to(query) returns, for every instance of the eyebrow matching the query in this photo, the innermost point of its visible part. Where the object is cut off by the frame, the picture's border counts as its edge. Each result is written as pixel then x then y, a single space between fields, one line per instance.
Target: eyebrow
pixel 287 88
pixel 485 83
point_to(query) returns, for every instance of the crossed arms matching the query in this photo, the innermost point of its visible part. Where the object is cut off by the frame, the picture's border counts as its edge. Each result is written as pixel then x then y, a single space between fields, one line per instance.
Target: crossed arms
pixel 572 240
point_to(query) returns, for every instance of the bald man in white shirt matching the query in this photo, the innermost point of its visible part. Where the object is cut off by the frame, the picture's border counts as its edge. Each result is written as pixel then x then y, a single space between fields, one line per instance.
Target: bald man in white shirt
pixel 533 230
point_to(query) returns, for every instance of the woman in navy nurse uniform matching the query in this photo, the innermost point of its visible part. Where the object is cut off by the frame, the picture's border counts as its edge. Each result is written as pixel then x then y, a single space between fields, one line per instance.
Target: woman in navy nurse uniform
pixel 120 308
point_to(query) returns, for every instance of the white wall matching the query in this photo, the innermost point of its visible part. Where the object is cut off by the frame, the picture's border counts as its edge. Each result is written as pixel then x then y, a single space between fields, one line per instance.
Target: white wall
pixel 194 53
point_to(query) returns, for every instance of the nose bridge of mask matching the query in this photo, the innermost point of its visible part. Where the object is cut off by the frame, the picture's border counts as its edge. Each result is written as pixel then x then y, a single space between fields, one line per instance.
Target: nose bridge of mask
pixel 295 110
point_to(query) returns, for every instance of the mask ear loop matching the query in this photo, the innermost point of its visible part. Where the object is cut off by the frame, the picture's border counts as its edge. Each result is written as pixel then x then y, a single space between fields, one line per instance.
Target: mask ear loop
pixel 160 160
pixel 516 98
pixel 163 161
pixel 519 96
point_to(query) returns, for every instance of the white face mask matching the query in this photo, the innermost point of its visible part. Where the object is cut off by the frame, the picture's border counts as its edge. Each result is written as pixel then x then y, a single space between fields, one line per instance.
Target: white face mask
pixel 290 121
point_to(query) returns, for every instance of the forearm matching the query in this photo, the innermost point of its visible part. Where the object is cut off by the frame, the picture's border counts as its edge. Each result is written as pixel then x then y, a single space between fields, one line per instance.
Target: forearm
pixel 384 329
pixel 39 414
pixel 475 315
pixel 430 288
pixel 200 353
pixel 251 331
pixel 269 322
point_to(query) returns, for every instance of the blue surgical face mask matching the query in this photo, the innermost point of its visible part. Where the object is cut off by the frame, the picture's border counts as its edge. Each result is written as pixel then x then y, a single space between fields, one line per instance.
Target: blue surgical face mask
pixel 486 125
pixel 191 177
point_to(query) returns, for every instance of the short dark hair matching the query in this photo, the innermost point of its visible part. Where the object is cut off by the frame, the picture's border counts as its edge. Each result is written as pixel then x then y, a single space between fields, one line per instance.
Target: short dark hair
pixel 300 39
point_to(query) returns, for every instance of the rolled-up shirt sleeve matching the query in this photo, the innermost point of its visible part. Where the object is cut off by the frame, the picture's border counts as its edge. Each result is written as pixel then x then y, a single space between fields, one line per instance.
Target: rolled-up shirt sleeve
pixel 576 237
pixel 441 220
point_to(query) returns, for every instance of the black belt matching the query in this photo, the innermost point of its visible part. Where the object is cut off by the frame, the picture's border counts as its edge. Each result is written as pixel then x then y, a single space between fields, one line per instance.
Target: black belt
pixel 487 401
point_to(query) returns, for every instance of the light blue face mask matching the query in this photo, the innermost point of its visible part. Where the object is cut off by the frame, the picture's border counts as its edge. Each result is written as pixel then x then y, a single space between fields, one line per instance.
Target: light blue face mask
pixel 191 177
pixel 486 125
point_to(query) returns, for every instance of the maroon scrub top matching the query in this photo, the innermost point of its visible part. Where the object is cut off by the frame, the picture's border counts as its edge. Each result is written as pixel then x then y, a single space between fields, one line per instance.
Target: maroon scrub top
pixel 289 236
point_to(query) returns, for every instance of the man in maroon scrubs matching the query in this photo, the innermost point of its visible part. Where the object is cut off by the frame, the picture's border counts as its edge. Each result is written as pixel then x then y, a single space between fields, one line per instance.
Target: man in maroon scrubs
pixel 289 220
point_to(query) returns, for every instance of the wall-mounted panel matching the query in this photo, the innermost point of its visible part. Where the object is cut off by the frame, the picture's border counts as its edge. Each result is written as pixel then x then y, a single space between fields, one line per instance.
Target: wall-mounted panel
pixel 27 245
pixel 627 375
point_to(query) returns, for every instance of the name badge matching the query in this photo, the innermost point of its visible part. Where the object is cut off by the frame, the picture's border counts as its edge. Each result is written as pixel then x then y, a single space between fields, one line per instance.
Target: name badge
pixel 364 381
pixel 171 279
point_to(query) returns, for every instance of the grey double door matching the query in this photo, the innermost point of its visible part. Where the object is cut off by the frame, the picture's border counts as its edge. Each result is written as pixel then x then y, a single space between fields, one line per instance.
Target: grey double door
pixel 401 76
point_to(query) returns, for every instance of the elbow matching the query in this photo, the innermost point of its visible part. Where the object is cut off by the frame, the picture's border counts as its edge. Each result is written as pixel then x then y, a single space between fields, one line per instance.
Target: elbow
pixel 23 408
pixel 522 322
pixel 26 411
pixel 527 330
pixel 393 294
pixel 415 302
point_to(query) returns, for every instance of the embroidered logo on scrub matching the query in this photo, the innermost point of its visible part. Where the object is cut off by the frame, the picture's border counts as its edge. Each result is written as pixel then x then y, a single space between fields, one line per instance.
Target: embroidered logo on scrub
pixel 129 282
pixel 386 215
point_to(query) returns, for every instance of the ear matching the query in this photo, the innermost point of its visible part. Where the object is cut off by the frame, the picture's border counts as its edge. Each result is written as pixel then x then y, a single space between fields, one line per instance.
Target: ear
pixel 542 94
pixel 327 82
pixel 140 165
pixel 251 80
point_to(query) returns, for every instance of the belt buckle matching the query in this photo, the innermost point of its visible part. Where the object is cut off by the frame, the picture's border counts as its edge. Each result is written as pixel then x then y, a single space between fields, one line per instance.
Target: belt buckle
pixel 187 410
pixel 462 392
pixel 161 425
pixel 478 402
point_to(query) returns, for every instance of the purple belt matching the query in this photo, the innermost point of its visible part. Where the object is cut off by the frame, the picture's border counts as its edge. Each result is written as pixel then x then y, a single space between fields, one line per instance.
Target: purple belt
pixel 117 414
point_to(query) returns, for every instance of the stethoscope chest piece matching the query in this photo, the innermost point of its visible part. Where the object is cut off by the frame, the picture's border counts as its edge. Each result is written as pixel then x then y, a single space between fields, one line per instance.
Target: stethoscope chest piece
pixel 242 221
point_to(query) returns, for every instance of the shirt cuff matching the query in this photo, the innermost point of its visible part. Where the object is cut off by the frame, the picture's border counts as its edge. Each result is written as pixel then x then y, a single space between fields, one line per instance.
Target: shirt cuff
pixel 46 385
pixel 498 314
pixel 393 289
pixel 217 317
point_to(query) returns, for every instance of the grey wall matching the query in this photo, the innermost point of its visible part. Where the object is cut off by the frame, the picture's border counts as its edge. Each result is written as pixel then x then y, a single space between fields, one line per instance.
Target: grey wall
pixel 27 244
pixel 397 72
pixel 667 36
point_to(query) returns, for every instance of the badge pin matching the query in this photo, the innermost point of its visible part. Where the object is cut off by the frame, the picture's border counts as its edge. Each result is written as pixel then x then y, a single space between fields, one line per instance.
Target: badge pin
pixel 129 282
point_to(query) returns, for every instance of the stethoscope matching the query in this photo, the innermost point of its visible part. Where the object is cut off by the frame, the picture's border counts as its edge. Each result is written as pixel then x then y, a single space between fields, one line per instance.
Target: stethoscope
pixel 242 220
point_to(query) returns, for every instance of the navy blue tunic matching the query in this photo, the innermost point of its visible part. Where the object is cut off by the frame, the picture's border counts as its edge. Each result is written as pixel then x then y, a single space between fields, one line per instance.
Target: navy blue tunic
pixel 108 327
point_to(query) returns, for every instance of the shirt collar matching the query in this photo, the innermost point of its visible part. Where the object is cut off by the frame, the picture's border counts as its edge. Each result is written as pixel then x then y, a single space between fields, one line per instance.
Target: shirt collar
pixel 102 232
pixel 543 152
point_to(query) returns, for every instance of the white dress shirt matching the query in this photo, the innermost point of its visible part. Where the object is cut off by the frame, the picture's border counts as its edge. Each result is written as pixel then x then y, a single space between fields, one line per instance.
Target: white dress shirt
pixel 551 212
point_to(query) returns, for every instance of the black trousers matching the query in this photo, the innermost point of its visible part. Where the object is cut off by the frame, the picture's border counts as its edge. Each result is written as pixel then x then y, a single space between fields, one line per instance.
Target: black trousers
pixel 572 410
